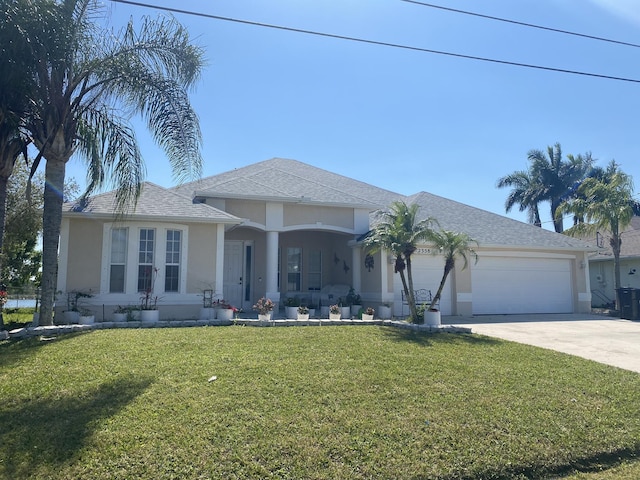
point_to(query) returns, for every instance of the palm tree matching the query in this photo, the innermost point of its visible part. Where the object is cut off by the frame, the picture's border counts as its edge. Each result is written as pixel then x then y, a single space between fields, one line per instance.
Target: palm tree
pixel 526 192
pixel 87 83
pixel 14 102
pixel 559 179
pixel 451 245
pixel 399 231
pixel 605 203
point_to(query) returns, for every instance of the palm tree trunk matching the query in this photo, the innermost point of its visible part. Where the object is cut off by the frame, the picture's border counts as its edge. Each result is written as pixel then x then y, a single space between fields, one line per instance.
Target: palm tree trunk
pixel 557 219
pixel 53 198
pixel 448 266
pixel 405 287
pixel 411 297
pixel 4 180
pixel 615 241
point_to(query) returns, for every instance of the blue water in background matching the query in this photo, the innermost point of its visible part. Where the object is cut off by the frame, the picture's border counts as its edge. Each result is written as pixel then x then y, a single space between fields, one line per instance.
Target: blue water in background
pixel 20 303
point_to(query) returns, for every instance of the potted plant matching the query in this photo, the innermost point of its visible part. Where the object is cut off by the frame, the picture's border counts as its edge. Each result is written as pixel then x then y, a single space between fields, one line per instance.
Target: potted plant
pixel 368 314
pixel 354 301
pixel 303 312
pixel 345 310
pixel 334 312
pixel 264 307
pixel 120 313
pixel 149 306
pixel 291 307
pixel 384 311
pixel 72 313
pixel 225 310
pixel 86 316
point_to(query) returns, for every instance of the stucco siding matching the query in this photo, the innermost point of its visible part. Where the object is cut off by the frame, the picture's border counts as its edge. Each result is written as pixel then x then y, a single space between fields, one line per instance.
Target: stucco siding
pixel 85 251
pixel 201 262
pixel 308 214
pixel 254 211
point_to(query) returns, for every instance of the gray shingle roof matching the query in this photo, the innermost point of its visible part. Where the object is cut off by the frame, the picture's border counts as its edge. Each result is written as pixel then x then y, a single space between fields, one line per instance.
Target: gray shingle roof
pixel 490 229
pixel 630 247
pixel 289 180
pixel 155 202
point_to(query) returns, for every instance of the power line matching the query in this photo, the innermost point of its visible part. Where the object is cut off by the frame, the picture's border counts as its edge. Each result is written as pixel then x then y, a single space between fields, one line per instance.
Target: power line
pixel 531 25
pixel 376 42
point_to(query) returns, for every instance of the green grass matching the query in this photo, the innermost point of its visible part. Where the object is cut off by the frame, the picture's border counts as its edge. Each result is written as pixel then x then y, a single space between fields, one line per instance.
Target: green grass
pixel 319 403
pixel 17 317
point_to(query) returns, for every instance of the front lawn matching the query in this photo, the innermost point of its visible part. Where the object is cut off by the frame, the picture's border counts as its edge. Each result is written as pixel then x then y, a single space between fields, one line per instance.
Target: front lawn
pixel 308 402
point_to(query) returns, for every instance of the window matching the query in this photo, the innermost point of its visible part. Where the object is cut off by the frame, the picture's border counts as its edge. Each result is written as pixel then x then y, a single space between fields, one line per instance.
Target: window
pixel 294 269
pixel 172 263
pixel 118 260
pixel 314 270
pixel 145 259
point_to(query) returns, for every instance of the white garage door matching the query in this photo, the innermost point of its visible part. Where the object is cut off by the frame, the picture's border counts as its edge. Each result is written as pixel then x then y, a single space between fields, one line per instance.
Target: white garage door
pixel 503 285
pixel 427 273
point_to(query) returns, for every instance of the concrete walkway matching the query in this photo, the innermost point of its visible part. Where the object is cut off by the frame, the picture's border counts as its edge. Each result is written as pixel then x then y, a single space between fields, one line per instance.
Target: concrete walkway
pixel 608 340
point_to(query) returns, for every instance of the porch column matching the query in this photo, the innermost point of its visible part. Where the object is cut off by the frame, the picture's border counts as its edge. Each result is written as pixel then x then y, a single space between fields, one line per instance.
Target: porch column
pixel 356 271
pixel 219 284
pixel 272 266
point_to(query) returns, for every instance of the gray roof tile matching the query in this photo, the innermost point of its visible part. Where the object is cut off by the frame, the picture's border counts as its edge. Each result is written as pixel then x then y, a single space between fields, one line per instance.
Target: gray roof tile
pixel 154 202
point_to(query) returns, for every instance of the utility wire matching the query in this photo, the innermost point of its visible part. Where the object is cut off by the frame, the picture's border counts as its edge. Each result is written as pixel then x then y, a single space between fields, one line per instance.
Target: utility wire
pixel 531 25
pixel 375 42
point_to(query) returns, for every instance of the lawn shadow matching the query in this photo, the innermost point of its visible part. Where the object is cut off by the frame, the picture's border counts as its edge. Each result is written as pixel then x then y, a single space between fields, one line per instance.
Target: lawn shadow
pixel 48 432
pixel 598 462
pixel 428 338
pixel 19 350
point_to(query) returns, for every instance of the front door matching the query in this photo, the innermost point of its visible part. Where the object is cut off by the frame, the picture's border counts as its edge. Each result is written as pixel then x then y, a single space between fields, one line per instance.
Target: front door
pixel 237 273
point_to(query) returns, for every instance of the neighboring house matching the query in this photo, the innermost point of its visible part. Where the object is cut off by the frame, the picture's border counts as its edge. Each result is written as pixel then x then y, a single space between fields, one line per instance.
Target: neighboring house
pixel 282 228
pixel 601 264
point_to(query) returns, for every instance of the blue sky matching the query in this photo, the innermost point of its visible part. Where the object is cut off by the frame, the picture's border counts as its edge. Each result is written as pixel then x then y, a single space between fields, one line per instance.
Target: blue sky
pixel 405 120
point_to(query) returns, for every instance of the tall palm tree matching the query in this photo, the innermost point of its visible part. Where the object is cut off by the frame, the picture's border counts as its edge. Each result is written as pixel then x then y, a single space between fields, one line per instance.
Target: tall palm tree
pixel 14 103
pixel 87 82
pixel 399 231
pixel 607 204
pixel 559 178
pixel 451 245
pixel 526 192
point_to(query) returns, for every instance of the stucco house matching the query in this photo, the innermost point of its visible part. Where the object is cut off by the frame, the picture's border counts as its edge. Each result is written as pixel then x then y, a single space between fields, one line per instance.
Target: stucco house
pixel 601 264
pixel 281 228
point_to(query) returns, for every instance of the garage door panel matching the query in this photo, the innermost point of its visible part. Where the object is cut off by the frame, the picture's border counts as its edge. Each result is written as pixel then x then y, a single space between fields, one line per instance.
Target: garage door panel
pixel 504 285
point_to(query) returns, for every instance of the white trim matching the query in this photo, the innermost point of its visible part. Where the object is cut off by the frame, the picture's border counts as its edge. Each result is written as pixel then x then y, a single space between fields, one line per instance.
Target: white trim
pixel 63 255
pixel 131 267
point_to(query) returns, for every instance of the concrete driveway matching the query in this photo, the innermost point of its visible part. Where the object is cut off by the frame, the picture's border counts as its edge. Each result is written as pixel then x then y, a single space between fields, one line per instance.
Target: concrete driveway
pixel 609 340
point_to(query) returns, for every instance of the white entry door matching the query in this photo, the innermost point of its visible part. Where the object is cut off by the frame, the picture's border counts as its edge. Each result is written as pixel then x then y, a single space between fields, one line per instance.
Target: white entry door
pixel 238 272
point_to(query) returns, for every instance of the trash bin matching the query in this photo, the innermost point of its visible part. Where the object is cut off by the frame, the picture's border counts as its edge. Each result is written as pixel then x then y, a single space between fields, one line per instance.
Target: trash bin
pixel 629 303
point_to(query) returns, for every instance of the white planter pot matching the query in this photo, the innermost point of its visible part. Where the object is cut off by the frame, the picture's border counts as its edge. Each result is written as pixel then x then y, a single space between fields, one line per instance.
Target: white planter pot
pixel 208 313
pixel 119 317
pixel 264 317
pixel 303 316
pixel 345 312
pixel 355 310
pixel 87 319
pixel 432 318
pixel 367 317
pixel 384 312
pixel 149 315
pixel 334 316
pixel 225 313
pixel 70 317
pixel 291 312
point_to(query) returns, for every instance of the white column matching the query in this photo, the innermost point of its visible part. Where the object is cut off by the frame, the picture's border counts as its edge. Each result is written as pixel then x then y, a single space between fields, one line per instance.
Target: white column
pixel 356 271
pixel 219 285
pixel 272 266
